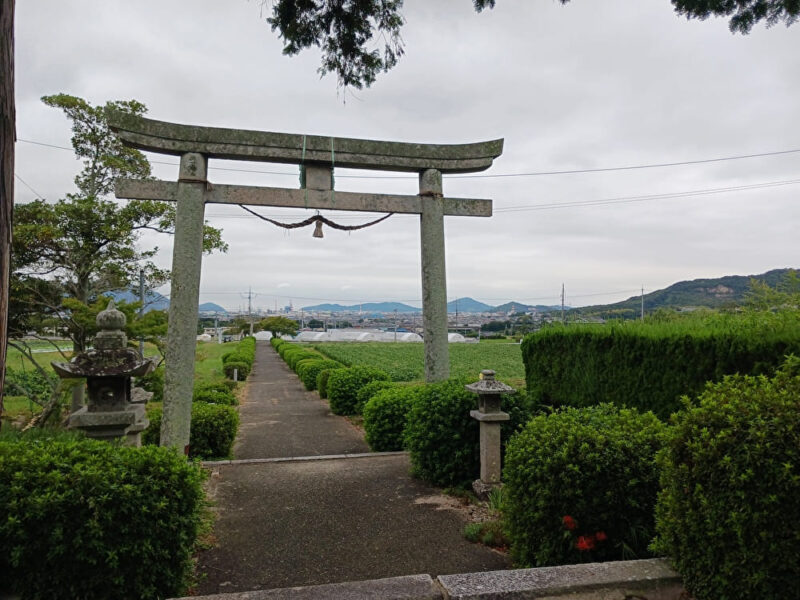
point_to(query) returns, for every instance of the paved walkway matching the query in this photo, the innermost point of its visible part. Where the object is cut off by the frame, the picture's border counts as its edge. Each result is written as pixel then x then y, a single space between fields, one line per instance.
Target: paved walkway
pixel 308 522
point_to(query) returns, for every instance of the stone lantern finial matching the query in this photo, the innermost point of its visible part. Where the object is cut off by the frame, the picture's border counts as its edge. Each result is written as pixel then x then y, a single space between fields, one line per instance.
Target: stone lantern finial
pixel 111 323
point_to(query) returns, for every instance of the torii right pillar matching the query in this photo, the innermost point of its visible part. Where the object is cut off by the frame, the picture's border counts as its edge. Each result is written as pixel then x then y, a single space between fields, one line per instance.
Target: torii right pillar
pixel 434 277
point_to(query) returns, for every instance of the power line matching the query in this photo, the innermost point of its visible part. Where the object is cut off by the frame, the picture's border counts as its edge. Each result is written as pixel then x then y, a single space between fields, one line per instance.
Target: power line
pixel 495 175
pixel 667 196
pixel 27 185
pixel 634 167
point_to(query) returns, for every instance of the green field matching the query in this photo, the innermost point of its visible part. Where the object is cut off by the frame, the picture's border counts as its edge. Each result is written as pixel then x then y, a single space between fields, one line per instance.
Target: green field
pixel 404 362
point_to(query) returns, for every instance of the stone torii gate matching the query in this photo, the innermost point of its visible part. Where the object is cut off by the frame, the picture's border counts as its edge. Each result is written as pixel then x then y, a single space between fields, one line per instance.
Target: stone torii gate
pixel 318 155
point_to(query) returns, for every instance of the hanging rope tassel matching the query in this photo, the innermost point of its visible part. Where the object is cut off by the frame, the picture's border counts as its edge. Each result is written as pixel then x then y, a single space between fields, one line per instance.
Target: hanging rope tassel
pixel 318 220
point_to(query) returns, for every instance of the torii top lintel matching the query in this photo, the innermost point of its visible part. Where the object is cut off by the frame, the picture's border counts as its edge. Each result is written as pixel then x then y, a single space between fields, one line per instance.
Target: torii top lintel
pixel 243 144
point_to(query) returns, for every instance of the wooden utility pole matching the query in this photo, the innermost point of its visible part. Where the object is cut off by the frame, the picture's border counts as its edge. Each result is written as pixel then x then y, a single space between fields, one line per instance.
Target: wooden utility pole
pixel 7 139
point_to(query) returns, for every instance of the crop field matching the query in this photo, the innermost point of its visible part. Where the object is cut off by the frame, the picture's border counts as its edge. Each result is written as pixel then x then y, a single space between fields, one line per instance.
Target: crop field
pixel 404 362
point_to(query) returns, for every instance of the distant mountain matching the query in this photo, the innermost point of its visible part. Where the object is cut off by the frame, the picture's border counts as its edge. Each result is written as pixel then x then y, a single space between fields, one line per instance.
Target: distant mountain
pixel 210 307
pixel 468 305
pixel 367 307
pixel 152 300
pixel 711 293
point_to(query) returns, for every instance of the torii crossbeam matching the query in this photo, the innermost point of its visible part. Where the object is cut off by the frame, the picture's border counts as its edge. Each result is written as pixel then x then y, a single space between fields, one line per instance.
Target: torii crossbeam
pixel 318 155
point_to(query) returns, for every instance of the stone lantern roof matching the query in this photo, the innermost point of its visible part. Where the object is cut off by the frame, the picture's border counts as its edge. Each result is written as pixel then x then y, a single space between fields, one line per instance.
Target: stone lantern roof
pixel 487 385
pixel 110 355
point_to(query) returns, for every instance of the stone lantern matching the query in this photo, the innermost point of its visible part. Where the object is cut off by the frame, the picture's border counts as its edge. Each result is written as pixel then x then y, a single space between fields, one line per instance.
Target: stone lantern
pixel 109 413
pixel 489 415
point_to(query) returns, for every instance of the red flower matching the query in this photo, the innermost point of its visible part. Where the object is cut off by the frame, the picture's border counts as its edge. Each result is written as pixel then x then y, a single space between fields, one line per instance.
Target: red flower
pixel 585 542
pixel 569 523
pixel 600 536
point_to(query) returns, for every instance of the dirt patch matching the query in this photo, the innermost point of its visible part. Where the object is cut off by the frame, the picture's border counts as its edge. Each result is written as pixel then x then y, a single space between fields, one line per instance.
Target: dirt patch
pixel 473 512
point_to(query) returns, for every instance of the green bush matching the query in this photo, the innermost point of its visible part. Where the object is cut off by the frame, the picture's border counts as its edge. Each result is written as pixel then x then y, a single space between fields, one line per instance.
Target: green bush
pixel 92 520
pixel 295 354
pixel 215 396
pixel 344 384
pixel 368 391
pixel 385 417
pixel 729 511
pixel 322 381
pixel 311 370
pixel 236 357
pixel 243 369
pixel 650 366
pixel 31 384
pixel 442 437
pixel 220 385
pixel 276 342
pixel 581 486
pixel 212 430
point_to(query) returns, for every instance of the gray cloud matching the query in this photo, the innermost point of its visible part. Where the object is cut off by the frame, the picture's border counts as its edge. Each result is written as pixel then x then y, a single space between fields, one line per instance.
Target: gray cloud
pixel 585 85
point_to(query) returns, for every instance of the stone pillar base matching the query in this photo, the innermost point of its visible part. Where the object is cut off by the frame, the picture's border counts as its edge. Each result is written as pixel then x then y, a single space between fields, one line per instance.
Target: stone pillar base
pixel 483 489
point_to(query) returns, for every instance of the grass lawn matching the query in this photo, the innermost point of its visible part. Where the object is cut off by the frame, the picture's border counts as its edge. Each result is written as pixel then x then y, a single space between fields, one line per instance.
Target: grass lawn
pixel 208 360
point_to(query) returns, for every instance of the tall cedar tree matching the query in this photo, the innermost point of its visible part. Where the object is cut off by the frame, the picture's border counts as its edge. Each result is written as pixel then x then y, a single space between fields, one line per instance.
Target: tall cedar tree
pixel 7 138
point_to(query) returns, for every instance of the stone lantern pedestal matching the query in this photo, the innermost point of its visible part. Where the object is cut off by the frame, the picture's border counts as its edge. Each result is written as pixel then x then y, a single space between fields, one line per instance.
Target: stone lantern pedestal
pixel 109 413
pixel 489 415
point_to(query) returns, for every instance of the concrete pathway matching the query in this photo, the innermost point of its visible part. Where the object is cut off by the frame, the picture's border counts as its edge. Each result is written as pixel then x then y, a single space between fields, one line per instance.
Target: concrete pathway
pixel 325 520
pixel 280 418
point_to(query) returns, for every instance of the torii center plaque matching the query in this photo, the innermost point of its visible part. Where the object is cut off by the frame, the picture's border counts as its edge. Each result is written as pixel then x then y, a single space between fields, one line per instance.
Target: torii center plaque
pixel 318 155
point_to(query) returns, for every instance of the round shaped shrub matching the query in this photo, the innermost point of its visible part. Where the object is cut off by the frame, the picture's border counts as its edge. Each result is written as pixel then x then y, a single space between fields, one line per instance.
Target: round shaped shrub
pixel 442 437
pixel 729 511
pixel 212 432
pixel 215 396
pixel 221 385
pixel 298 355
pixel 385 417
pixel 81 517
pixel 344 384
pixel 322 381
pixel 581 486
pixel 368 391
pixel 243 369
pixel 312 368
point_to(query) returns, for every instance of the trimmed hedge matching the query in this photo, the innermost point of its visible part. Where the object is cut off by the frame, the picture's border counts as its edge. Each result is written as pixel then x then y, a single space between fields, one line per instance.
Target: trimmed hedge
pixel 344 384
pixel 650 366
pixel 729 511
pixel 212 430
pixel 368 391
pixel 385 417
pixel 442 437
pixel 221 385
pixel 581 486
pixel 92 520
pixel 296 354
pixel 322 381
pixel 215 396
pixel 242 368
pixel 310 370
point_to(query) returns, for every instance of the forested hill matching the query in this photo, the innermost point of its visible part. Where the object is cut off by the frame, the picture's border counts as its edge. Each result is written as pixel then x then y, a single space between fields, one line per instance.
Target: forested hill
pixel 711 293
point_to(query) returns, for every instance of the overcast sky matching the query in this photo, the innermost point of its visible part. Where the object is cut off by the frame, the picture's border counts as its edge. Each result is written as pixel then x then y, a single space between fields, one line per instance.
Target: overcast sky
pixel 583 86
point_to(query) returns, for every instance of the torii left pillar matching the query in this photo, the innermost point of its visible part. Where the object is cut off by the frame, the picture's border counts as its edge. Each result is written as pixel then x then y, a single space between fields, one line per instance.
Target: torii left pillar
pixel 187 256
